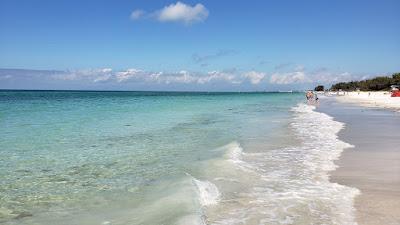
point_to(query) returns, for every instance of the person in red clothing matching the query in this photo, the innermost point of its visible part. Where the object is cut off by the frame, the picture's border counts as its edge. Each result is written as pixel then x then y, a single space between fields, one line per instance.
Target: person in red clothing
pixel 395 91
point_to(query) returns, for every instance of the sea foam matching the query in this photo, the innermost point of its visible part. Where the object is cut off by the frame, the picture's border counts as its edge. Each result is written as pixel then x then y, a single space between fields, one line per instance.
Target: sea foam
pixel 289 185
pixel 234 151
pixel 207 191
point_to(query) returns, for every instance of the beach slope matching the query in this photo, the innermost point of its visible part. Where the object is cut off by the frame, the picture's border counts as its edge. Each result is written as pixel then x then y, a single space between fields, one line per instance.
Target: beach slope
pixel 373 165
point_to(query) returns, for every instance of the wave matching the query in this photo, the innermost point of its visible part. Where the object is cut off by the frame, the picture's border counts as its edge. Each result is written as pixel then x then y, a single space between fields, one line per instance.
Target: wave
pixel 287 185
pixel 318 132
pixel 208 193
pixel 234 151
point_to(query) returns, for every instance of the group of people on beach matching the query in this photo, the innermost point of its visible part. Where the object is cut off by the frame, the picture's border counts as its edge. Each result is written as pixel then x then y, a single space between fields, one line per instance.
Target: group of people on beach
pixel 311 97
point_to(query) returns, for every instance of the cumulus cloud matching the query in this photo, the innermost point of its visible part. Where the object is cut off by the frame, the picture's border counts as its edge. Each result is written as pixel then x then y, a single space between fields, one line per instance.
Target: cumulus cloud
pixel 180 12
pixel 324 76
pixel 299 76
pixel 254 77
pixel 219 76
pixel 141 76
pixel 289 78
pixel 175 12
pixel 95 75
pixel 127 75
pixel 234 79
pixel 181 77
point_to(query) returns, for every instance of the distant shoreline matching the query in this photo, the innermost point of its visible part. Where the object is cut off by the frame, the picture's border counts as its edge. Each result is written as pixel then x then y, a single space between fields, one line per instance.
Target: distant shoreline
pixel 379 99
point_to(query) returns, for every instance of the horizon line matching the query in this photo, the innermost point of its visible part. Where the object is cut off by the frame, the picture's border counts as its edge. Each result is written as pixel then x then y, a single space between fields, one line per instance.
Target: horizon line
pixel 166 91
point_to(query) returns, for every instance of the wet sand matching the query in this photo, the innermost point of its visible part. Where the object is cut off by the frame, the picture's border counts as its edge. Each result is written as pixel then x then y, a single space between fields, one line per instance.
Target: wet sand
pixel 373 165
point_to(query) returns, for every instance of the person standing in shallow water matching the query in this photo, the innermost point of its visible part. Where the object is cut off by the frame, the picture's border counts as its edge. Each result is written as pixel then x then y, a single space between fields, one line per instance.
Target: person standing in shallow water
pixel 312 98
pixel 309 96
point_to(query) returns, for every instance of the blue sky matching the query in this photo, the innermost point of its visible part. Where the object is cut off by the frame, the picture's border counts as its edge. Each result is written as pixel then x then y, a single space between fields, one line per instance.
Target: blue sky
pixel 195 45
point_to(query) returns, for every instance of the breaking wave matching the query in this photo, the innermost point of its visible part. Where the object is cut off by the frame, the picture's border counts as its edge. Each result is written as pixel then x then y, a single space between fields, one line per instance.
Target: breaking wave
pixel 286 185
pixel 208 193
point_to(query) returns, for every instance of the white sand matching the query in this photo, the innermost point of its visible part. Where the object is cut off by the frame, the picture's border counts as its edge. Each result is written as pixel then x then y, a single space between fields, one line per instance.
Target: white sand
pixel 380 99
pixel 375 174
pixel 373 165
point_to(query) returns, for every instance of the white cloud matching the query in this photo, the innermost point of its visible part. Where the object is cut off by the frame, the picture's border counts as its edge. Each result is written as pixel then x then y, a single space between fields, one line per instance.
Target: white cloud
pixel 134 76
pixel 289 78
pixel 185 77
pixel 325 76
pixel 175 12
pixel 102 78
pixel 140 76
pixel 300 75
pixel 127 75
pixel 95 75
pixel 180 77
pixel 254 77
pixel 218 76
pixel 180 12
pixel 137 14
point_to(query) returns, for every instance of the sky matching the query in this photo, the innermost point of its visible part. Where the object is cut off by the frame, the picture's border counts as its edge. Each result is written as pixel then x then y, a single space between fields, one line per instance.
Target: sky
pixel 202 45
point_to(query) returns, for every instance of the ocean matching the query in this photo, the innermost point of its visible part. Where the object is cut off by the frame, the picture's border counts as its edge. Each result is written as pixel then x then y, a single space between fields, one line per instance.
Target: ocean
pixel 161 158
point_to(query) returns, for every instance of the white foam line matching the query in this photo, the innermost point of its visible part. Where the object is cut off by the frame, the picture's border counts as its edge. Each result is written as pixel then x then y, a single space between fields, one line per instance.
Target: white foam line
pixel 208 193
pixel 319 134
pixel 296 178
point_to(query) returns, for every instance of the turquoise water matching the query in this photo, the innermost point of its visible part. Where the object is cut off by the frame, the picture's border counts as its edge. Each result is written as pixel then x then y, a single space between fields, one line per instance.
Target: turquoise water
pixel 156 158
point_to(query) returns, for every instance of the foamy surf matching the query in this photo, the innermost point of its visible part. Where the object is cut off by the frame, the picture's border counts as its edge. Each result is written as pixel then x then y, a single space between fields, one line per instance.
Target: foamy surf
pixel 231 151
pixel 207 194
pixel 234 154
pixel 207 191
pixel 289 185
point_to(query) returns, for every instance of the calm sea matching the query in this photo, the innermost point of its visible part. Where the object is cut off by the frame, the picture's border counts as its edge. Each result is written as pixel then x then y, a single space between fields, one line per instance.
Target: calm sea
pixel 119 158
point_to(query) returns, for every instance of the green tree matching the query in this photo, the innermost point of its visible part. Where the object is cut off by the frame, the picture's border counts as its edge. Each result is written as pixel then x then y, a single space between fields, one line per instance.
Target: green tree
pixel 374 84
pixel 319 88
pixel 396 78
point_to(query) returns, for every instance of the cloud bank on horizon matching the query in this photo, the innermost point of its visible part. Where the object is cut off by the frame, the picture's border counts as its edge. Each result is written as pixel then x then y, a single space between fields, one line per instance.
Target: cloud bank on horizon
pixel 137 79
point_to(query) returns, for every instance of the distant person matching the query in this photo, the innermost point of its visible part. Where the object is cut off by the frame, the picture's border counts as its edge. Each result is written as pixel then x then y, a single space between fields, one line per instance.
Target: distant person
pixel 309 97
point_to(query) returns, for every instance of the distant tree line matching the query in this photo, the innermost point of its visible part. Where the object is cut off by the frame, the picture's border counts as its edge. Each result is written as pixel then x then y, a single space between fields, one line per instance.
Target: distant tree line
pixel 374 84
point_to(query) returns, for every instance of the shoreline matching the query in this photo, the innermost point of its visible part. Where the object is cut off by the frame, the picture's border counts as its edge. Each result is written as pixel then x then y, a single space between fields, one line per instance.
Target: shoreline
pixel 377 99
pixel 373 165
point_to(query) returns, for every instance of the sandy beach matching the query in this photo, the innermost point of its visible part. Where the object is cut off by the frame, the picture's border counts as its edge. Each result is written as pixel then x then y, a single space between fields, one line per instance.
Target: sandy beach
pixel 373 165
pixel 380 99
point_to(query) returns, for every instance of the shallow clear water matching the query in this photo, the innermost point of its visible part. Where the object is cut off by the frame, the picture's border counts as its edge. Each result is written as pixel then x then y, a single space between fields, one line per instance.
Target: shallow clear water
pixel 167 158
